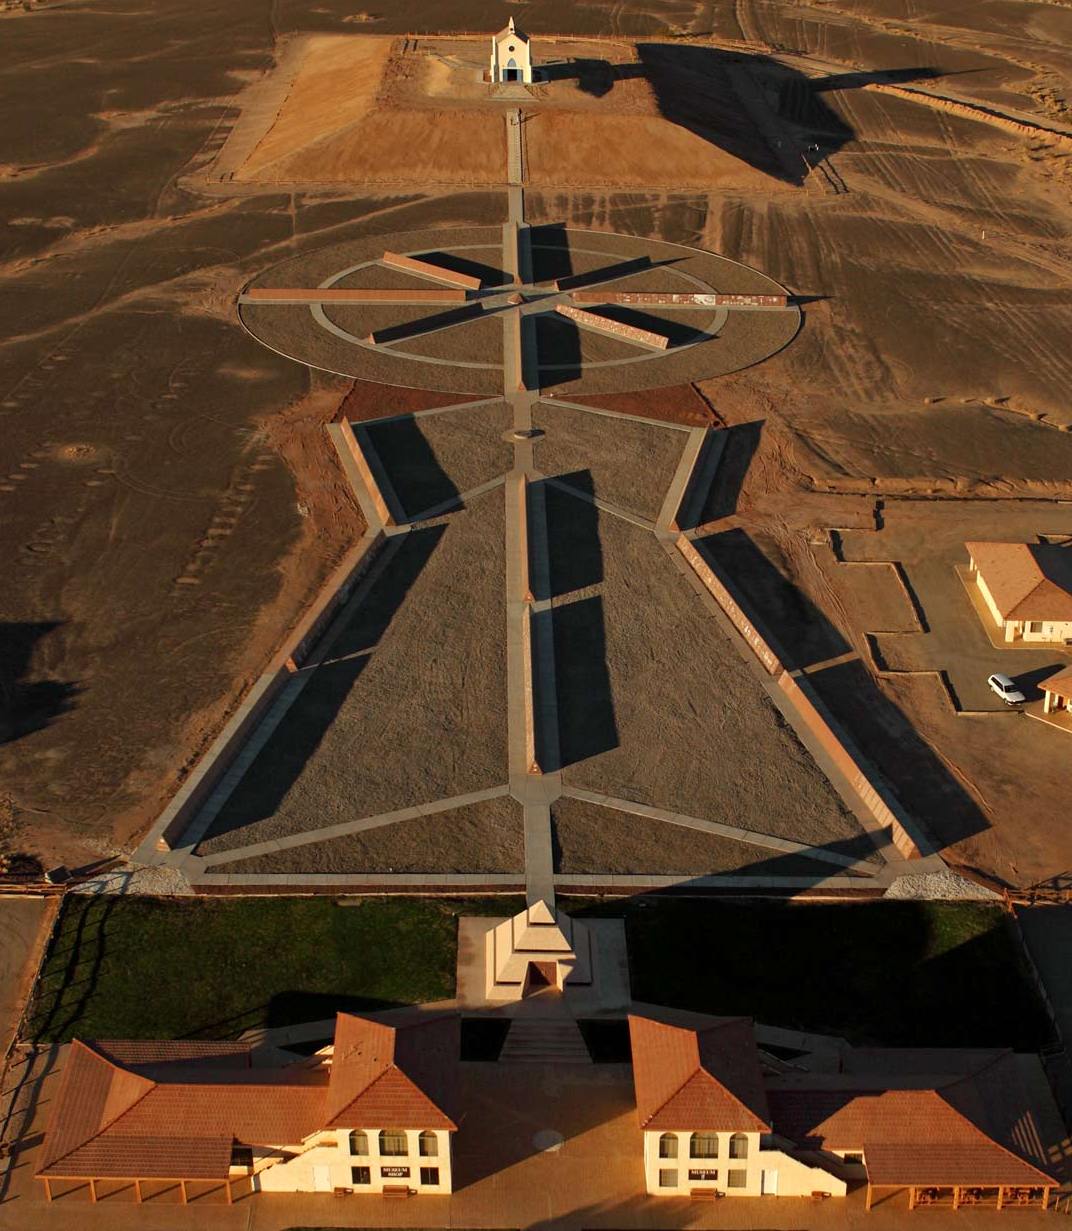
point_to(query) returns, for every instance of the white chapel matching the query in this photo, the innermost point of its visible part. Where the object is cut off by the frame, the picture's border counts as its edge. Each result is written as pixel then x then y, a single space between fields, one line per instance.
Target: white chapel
pixel 511 55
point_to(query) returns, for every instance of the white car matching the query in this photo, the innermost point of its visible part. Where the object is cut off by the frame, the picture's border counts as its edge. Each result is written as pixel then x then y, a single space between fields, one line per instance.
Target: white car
pixel 1005 689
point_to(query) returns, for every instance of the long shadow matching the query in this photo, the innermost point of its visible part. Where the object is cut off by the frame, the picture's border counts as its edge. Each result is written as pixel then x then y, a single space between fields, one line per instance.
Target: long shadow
pixel 28 705
pixel 427 324
pixel 75 961
pixel 803 634
pixel 694 89
pixel 1029 682
pixel 593 76
pixel 558 345
pixel 295 741
pixel 679 332
pixel 418 478
pixel 742 442
pixel 551 257
pixel 489 275
pixel 879 728
pixel 586 720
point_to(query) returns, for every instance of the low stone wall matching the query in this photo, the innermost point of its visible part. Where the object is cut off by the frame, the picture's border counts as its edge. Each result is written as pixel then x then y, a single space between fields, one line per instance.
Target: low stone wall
pixel 350 442
pixel 426 269
pixel 798 692
pixel 175 818
pixel 720 593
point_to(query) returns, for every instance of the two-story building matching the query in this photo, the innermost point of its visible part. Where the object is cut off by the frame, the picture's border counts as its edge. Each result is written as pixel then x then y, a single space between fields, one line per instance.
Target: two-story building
pixel 373 1112
pixel 720 1117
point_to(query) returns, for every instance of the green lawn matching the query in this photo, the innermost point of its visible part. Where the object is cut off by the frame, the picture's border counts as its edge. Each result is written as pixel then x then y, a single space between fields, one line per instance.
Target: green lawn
pixel 895 973
pixel 211 968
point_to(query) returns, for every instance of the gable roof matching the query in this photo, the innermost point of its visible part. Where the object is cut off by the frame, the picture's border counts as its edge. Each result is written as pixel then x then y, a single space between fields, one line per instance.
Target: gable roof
pixel 511 31
pixel 695 1073
pixel 112 1120
pixel 975 1128
pixel 1059 684
pixel 1027 581
pixel 403 1074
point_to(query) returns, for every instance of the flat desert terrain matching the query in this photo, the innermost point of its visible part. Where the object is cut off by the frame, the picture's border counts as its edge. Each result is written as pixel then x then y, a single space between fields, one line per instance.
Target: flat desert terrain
pixel 170 506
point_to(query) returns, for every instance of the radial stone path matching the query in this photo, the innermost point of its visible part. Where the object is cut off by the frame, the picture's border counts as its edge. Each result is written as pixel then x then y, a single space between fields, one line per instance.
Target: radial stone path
pixel 404 317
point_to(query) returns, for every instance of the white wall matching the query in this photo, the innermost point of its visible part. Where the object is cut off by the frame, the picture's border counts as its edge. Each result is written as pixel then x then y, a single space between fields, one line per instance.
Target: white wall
pixel 325 1162
pixel 793 1178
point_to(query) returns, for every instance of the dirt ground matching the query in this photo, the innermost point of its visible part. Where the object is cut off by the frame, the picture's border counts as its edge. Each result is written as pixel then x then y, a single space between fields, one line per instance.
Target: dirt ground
pixel 627 463
pixel 481 837
pixel 24 924
pixel 590 838
pixel 435 458
pixel 929 244
pixel 657 706
pixel 409 705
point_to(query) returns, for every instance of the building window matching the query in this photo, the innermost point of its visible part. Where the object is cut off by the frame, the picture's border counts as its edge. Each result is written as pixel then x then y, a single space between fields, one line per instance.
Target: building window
pixel 853 1156
pixel 703 1145
pixel 667 1178
pixel 360 1175
pixel 359 1143
pixel 737 1178
pixel 668 1145
pixel 738 1146
pixel 1034 626
pixel 393 1142
pixel 429 1145
pixel 429 1175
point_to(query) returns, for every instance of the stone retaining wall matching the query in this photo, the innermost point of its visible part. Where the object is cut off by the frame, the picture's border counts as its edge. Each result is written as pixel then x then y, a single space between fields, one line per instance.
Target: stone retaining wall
pixel 185 804
pixel 805 703
pixel 352 445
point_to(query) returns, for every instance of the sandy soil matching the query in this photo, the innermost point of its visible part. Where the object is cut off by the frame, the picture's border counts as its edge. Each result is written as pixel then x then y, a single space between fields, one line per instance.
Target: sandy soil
pixel 629 464
pixel 678 404
pixel 24 924
pixel 481 837
pixel 410 703
pixel 590 838
pixel 656 705
pixel 439 457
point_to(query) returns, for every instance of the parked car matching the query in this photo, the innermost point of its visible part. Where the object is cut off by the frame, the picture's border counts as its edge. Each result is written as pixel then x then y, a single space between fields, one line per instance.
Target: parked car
pixel 1005 689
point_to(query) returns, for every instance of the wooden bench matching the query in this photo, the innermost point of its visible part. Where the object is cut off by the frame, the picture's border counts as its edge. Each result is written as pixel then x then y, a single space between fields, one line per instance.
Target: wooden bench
pixel 397 1190
pixel 705 1194
pixel 819 1195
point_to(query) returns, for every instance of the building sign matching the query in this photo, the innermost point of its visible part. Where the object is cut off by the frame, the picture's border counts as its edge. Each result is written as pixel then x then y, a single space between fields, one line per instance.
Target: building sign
pixel 395 1173
pixel 703 1173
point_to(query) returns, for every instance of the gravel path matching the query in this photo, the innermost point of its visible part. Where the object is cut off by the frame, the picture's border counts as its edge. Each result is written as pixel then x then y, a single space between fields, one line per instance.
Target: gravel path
pixel 591 838
pixel 482 837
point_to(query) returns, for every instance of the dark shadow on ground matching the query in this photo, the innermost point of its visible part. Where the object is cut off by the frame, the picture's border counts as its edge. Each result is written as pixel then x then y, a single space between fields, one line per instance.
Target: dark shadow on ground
pixel 418 479
pixel 283 757
pixel 742 441
pixel 1029 682
pixel 29 705
pixel 426 324
pixel 558 345
pixel 801 632
pixel 612 273
pixel 593 76
pixel 586 721
pixel 551 258
pixel 918 777
pixel 574 549
pixel 893 974
pixel 293 1008
pixel 489 275
pixel 677 330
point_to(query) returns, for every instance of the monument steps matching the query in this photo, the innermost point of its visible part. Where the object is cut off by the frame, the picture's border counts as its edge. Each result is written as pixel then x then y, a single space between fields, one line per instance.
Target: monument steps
pixel 544 1041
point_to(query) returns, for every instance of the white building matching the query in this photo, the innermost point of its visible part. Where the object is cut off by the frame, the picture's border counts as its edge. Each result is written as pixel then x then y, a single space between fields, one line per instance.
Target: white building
pixel 511 56
pixel 371 1113
pixel 1026 587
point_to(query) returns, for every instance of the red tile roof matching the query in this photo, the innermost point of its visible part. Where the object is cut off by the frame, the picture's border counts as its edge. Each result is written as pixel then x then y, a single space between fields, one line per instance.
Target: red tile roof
pixel 1027 581
pixel 697 1074
pixel 388 1075
pixel 143 1110
pixel 971 1130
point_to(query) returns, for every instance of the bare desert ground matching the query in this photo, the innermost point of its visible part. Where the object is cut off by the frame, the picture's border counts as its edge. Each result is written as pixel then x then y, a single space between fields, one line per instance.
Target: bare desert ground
pixel 165 500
